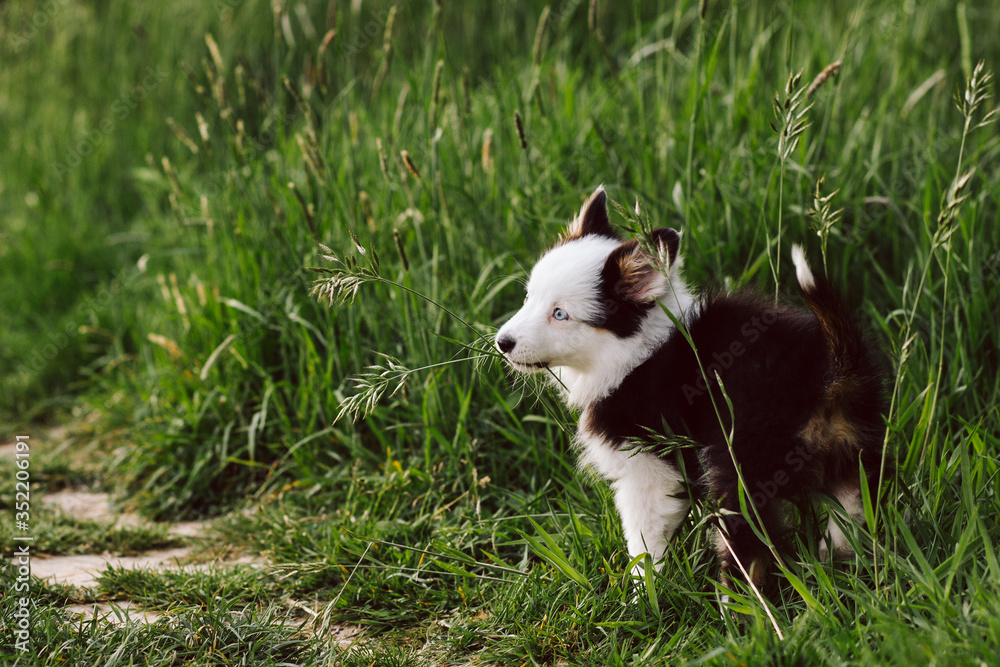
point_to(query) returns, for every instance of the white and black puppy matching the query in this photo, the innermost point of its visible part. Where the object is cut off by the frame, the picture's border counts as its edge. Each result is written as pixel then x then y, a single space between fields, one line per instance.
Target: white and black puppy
pixel 806 388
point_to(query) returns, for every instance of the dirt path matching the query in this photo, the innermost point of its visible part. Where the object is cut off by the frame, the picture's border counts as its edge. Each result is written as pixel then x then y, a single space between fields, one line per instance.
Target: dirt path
pixel 83 570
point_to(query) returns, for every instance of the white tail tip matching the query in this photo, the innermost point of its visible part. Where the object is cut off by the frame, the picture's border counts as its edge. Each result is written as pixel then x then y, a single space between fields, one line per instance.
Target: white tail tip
pixel 802 270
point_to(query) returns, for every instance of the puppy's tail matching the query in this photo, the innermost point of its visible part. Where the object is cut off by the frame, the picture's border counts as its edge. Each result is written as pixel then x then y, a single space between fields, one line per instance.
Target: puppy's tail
pixel 849 352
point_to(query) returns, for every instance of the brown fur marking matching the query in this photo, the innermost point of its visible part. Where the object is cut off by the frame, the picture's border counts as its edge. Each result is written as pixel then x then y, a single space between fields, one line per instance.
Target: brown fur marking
pixel 829 430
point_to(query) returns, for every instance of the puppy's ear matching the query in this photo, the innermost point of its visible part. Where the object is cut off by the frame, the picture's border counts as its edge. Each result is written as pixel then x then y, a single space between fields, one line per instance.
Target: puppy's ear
pixel 593 219
pixel 634 275
pixel 667 242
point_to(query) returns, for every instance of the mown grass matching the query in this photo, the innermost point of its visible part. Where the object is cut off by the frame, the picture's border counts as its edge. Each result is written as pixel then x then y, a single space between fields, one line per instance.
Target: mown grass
pixel 450 522
pixel 61 534
pixel 224 635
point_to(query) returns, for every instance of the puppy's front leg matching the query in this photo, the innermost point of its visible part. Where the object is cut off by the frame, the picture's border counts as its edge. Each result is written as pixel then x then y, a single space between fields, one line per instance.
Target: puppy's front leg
pixel 651 502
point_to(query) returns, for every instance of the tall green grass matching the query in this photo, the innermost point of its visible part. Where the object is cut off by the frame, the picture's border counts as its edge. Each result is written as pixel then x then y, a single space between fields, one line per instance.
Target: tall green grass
pixel 86 88
pixel 451 517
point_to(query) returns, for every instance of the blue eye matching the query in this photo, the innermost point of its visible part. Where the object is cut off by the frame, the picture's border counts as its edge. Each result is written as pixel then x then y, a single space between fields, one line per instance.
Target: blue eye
pixel 560 314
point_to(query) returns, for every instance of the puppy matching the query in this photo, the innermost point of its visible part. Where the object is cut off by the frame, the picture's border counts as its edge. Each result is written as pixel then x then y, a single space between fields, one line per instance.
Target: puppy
pixel 604 315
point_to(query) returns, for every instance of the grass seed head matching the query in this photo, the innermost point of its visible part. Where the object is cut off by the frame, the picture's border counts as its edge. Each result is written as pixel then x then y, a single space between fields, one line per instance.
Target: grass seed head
pixel 828 72
pixel 164 290
pixel 383 160
pixel 824 218
pixel 206 214
pixel 312 159
pixel 955 196
pixel 466 91
pixel 179 303
pixel 543 21
pixel 410 166
pixel 436 91
pixel 182 135
pixel 331 16
pixel 327 40
pixel 172 348
pixel 321 65
pixel 203 129
pixel 383 71
pixel 241 84
pixel 307 209
pixel 366 209
pixel 400 249
pixel 199 288
pixel 213 50
pixel 168 169
pixel 519 124
pixel 977 91
pixel 387 38
pixel 241 133
pixel 435 27
pixel 790 114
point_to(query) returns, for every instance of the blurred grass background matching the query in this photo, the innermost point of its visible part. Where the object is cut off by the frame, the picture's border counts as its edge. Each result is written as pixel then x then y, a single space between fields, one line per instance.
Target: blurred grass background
pixel 168 169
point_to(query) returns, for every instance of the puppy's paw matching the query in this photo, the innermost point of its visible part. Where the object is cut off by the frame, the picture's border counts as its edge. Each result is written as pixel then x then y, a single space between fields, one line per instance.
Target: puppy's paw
pixel 641 583
pixel 723 605
pixel 841 549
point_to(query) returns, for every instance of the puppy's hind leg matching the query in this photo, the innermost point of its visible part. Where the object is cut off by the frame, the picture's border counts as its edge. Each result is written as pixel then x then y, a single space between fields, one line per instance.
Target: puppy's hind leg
pixel 849 496
pixel 737 544
pixel 847 490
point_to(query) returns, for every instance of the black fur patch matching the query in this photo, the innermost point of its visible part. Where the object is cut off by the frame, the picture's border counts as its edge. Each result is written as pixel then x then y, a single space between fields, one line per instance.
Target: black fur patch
pixel 620 315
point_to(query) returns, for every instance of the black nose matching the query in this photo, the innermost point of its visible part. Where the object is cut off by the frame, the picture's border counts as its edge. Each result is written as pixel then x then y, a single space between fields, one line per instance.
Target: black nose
pixel 506 344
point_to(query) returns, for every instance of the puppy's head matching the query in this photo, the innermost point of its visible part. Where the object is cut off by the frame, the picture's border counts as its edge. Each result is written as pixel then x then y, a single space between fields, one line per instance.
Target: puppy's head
pixel 592 288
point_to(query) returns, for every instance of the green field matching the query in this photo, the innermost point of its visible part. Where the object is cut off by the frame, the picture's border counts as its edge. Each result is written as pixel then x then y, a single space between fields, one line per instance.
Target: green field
pixel 169 171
